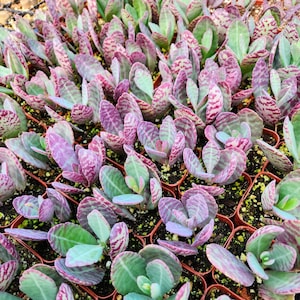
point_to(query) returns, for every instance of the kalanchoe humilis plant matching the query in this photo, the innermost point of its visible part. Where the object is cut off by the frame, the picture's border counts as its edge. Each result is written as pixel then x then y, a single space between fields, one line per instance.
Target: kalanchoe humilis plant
pixel 211 96
pixel 278 159
pixel 109 8
pixel 42 282
pixel 120 123
pixel 43 209
pixel 191 217
pixel 149 274
pixel 239 130
pixel 12 117
pixel 78 165
pixel 267 257
pixel 31 148
pixel 12 175
pixel 81 250
pixel 222 166
pixel 140 185
pixel 283 199
pixel 283 86
pixel 9 259
pixel 166 143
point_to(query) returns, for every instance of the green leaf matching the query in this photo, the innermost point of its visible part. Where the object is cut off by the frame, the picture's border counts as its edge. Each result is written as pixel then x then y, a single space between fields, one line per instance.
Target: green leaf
pixel 167 23
pixel 125 269
pixel 63 237
pixel 37 285
pixel 143 81
pixel 284 51
pixel 113 182
pixel 83 255
pixel 238 39
pixel 7 296
pixel 99 225
pixel 144 284
pixel 135 168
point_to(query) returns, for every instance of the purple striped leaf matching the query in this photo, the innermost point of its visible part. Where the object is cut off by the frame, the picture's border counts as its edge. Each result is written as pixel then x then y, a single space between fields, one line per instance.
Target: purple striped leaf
pixel 252 58
pixel 166 205
pixel 7 187
pixel 46 210
pixel 204 235
pixel 188 128
pixel 167 132
pixel 119 239
pixel 121 88
pixel 81 114
pixel 267 109
pixel 278 159
pixel 184 292
pixel 97 145
pixel 62 57
pixel 87 275
pixel 238 97
pixel 214 103
pixel 27 206
pixel 265 27
pixel 8 250
pixel 155 191
pixel 178 247
pixel 27 234
pixel 211 156
pixel 64 292
pixel 8 271
pixel 160 101
pixel 69 91
pixel 268 197
pixel 14 170
pixel 87 66
pixel 148 134
pixel 229 265
pixel 178 229
pixel 66 188
pixel 113 142
pixel 10 124
pixel 127 104
pixel 131 122
pixel 177 148
pixel 179 90
pixel 74 177
pixel 110 118
pixel 148 48
pixel 88 204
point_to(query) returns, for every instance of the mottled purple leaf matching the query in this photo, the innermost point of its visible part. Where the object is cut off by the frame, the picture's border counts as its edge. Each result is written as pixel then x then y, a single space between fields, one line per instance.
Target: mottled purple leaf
pixel 177 148
pixel 214 103
pixel 10 124
pixel 66 188
pixel 87 275
pixel 64 292
pixel 62 56
pixel 110 118
pixel 8 271
pixel 7 187
pixel 81 114
pixel 178 247
pixel 119 239
pixel 267 109
pixel 229 265
pixel 204 235
pixel 27 206
pixel 268 196
pixel 8 250
pixel 87 66
pixel 27 234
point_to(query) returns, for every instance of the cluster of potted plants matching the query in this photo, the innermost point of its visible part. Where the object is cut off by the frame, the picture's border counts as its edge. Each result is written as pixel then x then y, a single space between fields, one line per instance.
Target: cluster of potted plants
pixel 150 150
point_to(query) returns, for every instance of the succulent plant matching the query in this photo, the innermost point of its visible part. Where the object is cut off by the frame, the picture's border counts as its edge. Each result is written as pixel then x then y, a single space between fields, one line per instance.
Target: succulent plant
pixel 222 166
pixel 9 258
pixel 12 117
pixel 12 175
pixel 31 207
pixel 140 185
pixel 278 159
pixel 238 130
pixel 165 145
pixel 191 217
pixel 148 274
pixel 80 165
pixel 268 258
pixel 283 199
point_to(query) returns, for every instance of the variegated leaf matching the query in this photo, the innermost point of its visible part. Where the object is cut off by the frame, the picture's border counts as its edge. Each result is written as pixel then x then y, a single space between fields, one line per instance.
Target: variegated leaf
pixel 64 292
pixel 267 109
pixel 119 239
pixel 27 206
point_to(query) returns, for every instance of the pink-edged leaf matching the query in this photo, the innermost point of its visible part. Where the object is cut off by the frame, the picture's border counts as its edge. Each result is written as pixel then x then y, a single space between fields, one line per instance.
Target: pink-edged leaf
pixel 8 250
pixel 262 238
pixel 146 109
pixel 97 145
pixel 268 196
pixel 27 234
pixel 278 159
pixel 7 187
pixel 110 118
pixel 214 103
pixel 204 235
pixel 267 109
pixel 184 292
pixel 211 156
pixel 165 72
pixel 122 87
pixel 27 206
pixel 46 210
pixel 228 60
pixel 197 211
pixel 90 165
pixel 158 155
pixel 113 142
pixel 15 171
pixel 87 66
pixel 64 292
pixel 155 191
pixel 178 247
pixel 188 128
pixel 88 204
pixel 66 188
pixel 107 81
pixel 87 275
pixel 177 148
pixel 160 101
pixel 8 271
pixel 81 113
pixel 62 56
pixel 229 265
pixel 64 129
pixel 238 97
pixel 178 229
pixel 127 104
pixel 119 239
pixel 179 90
pixel 193 165
pixel 61 151
pixel 131 122
pixel 61 205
